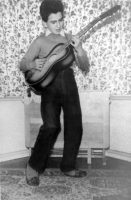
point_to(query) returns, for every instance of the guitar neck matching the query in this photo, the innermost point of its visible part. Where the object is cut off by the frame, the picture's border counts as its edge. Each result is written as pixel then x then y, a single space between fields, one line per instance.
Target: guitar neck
pixel 88 27
pixel 84 30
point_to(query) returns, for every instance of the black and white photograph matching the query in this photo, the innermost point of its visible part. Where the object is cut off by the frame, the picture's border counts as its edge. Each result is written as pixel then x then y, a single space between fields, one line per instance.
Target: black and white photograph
pixel 65 100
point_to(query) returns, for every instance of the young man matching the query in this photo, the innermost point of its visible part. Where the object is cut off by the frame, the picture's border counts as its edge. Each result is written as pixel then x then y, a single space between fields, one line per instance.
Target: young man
pixel 61 93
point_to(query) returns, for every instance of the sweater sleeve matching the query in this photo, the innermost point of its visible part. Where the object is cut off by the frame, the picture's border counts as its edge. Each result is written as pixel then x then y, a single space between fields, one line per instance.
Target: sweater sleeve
pixel 28 61
pixel 82 61
pixel 80 57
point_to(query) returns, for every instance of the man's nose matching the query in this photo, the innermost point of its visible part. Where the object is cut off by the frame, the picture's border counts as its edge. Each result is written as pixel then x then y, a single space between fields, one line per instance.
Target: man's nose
pixel 58 24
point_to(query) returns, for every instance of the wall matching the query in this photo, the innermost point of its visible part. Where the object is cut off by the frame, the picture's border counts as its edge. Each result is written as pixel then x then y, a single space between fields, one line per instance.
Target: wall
pixel 120 127
pixel 12 129
pixel 107 45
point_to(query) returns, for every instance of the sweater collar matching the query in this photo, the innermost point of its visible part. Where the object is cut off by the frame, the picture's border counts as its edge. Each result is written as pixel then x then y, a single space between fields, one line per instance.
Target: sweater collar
pixel 48 32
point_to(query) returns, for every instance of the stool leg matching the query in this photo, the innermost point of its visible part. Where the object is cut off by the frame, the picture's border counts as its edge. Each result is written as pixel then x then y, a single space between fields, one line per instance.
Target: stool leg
pixel 104 157
pixel 89 156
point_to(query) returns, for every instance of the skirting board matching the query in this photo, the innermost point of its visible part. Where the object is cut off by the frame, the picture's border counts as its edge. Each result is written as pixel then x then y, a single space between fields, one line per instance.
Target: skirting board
pixel 119 155
pixel 26 153
pixel 14 155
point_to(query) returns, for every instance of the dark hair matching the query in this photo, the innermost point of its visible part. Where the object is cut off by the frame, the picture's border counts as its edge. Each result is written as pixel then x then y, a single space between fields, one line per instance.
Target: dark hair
pixel 50 6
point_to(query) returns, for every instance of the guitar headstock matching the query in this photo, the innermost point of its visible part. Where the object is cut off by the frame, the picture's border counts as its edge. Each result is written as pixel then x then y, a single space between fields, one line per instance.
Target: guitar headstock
pixel 110 12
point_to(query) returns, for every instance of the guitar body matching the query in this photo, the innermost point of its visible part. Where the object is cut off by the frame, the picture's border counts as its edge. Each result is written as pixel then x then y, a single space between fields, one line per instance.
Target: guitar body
pixel 54 63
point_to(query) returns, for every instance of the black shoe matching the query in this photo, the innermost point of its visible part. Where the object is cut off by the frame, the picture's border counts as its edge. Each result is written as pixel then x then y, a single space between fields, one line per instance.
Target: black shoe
pixel 34 181
pixel 75 173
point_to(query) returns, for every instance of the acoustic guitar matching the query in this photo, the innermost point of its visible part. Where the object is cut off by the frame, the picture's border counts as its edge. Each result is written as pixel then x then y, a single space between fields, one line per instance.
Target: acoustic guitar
pixel 59 58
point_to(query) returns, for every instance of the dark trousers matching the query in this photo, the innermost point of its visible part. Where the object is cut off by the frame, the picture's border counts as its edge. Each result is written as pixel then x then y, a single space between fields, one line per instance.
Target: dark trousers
pixel 61 94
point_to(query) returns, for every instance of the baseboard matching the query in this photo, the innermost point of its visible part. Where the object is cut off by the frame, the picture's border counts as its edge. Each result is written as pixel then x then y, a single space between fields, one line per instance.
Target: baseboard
pixel 25 153
pixel 119 155
pixel 14 155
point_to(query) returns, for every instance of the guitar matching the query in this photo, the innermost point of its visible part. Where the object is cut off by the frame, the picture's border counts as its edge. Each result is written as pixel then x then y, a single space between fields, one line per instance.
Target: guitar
pixel 60 57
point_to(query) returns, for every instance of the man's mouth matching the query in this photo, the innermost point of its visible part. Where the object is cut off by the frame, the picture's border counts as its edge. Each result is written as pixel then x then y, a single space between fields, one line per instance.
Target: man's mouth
pixel 58 30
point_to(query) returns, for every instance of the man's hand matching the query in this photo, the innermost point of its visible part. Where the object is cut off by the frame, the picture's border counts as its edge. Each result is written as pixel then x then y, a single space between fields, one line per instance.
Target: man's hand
pixel 76 42
pixel 39 63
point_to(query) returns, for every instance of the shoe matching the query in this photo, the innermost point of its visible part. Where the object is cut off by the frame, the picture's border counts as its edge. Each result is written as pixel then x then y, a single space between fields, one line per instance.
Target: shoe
pixel 30 179
pixel 75 173
pixel 34 181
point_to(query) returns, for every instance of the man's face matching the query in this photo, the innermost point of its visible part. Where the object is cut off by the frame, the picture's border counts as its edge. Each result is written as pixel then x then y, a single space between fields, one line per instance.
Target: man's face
pixel 55 23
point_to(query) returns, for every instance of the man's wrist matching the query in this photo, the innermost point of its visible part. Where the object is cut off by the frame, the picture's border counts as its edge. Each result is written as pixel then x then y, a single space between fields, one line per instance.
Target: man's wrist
pixel 79 51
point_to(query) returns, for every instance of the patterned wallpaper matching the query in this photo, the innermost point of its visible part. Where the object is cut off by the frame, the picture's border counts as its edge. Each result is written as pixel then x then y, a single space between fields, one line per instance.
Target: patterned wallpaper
pixel 107 44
